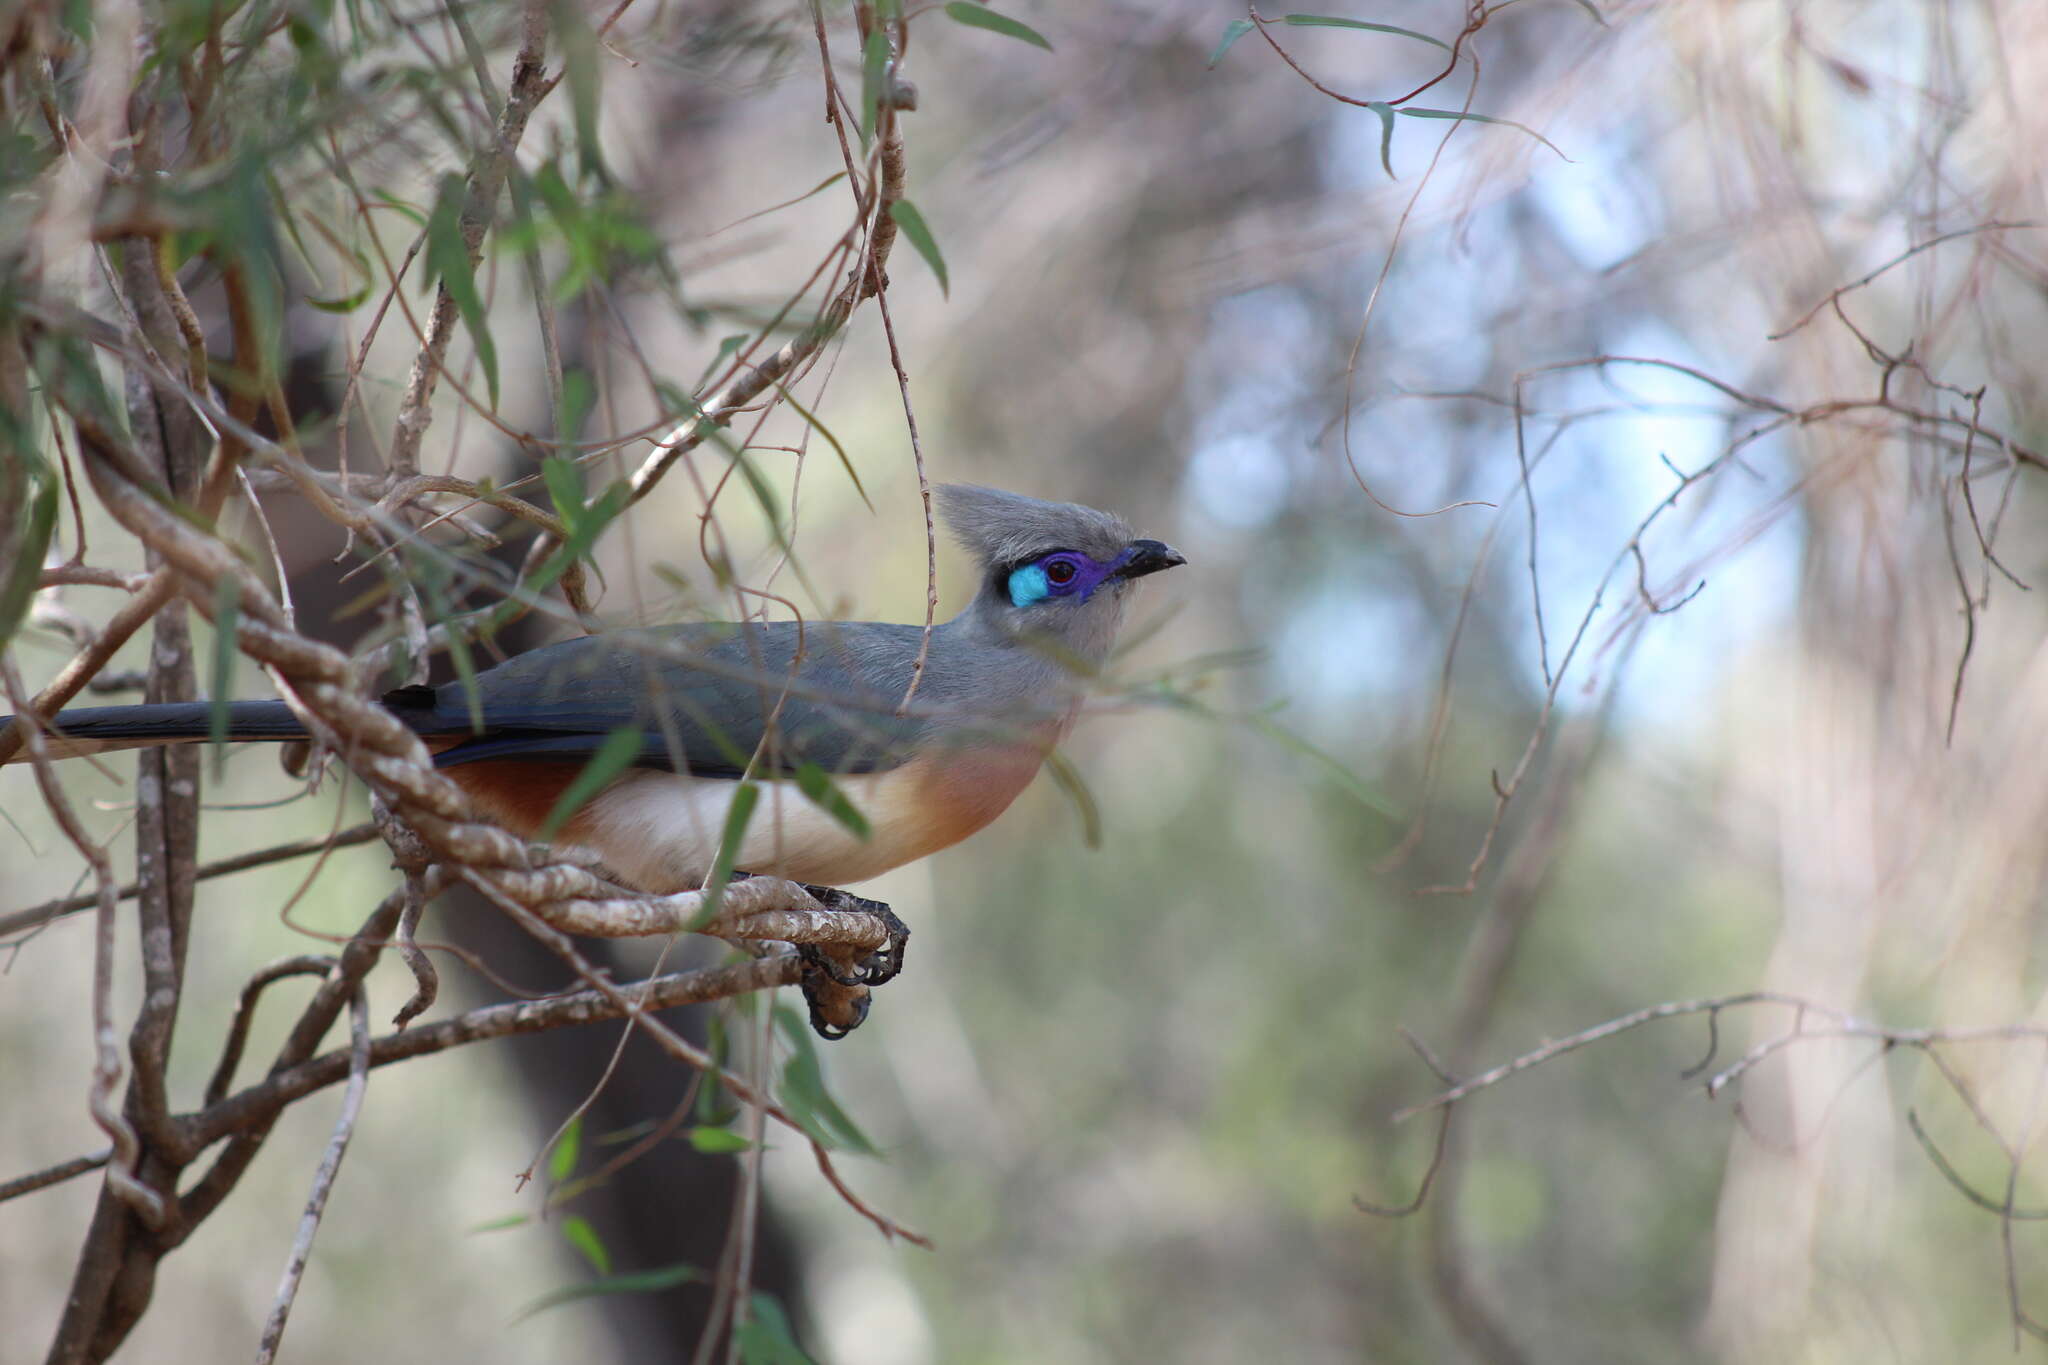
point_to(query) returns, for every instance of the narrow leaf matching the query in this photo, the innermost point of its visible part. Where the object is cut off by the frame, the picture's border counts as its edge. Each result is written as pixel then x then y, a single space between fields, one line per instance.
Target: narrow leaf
pixel 874 74
pixel 845 460
pixel 812 781
pixel 613 757
pixel 347 303
pixel 565 487
pixel 975 16
pixel 392 201
pixel 744 798
pixel 1412 112
pixel 912 222
pixel 579 396
pixel 1351 782
pixel 465 667
pixel 804 1094
pixel 718 1141
pixel 227 608
pixel 1330 21
pixel 1232 31
pixel 765 1337
pixel 727 349
pixel 579 64
pixel 764 497
pixel 635 1282
pixel 562 1161
pixel 510 1220
pixel 584 1238
pixel 448 261
pixel 1386 113
pixel 37 522
pixel 1070 781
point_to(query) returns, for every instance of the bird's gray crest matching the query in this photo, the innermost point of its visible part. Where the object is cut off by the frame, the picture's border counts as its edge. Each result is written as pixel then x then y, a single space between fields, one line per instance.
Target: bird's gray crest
pixel 1000 528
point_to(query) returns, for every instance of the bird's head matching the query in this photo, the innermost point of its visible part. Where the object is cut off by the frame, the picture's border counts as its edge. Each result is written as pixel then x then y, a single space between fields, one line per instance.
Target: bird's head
pixel 1055 570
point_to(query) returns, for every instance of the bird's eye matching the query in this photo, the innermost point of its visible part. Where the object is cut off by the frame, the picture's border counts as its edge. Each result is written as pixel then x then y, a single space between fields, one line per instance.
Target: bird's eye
pixel 1059 572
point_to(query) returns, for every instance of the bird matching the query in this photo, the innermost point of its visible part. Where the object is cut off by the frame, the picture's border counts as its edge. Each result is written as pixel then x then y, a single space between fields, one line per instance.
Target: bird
pixel 818 717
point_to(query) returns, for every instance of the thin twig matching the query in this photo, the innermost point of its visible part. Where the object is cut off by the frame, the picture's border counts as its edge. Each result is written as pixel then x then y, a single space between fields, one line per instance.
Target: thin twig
pixel 323 1178
pixel 37 915
pixel 106 1069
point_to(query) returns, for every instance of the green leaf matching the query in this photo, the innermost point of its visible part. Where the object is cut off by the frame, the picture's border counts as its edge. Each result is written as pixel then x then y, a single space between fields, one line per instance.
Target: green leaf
pixel 227 609
pixel 1351 782
pixel 510 1220
pixel 36 522
pixel 343 303
pixel 813 782
pixel 715 1108
pixel 804 1095
pixel 1480 118
pixel 845 460
pixel 975 16
pixel 613 757
pixel 1330 21
pixel 579 396
pixel 448 261
pixel 347 303
pixel 727 349
pixel 584 1238
pixel 579 65
pixel 565 487
pixel 744 798
pixel 1232 31
pixel 597 516
pixel 718 1141
pixel 912 222
pixel 1070 781
pixel 562 1161
pixel 765 1337
pixel 431 580
pixel 634 1282
pixel 392 201
pixel 764 496
pixel 874 76
pixel 1386 113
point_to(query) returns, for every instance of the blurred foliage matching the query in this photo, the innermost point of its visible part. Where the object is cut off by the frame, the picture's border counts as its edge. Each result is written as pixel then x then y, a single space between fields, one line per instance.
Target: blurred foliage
pixel 1132 1093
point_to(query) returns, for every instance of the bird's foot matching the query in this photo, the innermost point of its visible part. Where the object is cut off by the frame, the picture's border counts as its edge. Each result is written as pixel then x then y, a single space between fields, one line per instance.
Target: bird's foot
pixel 837 1008
pixel 838 988
pixel 835 983
pixel 882 965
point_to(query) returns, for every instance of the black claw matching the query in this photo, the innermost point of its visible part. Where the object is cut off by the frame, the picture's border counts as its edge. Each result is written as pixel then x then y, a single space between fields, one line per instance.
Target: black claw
pixel 882 965
pixel 836 1008
pixel 837 990
pixel 817 960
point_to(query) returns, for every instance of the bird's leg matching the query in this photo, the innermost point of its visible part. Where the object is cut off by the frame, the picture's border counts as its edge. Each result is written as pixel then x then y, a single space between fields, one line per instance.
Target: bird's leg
pixel 836 985
pixel 837 1009
pixel 882 965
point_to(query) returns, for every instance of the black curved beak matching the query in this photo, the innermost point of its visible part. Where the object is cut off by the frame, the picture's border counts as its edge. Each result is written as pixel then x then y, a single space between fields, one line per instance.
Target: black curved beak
pixel 1149 556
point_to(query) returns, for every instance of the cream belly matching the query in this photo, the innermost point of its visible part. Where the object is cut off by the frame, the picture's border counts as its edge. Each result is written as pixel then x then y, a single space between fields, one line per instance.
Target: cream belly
pixel 659 831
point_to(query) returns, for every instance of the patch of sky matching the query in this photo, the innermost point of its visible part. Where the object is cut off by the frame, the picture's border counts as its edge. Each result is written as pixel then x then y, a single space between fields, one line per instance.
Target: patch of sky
pixel 1596 203
pixel 1348 644
pixel 1735 531
pixel 1250 402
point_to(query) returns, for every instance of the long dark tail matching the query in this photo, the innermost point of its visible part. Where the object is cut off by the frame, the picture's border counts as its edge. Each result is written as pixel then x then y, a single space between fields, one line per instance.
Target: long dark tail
pixel 99 729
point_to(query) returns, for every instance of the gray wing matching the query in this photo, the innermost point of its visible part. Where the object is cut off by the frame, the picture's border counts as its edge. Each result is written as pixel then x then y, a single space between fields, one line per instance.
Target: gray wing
pixel 699 696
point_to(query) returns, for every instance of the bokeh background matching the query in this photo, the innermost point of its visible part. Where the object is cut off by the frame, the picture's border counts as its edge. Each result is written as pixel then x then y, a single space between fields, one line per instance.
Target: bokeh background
pixel 1706 611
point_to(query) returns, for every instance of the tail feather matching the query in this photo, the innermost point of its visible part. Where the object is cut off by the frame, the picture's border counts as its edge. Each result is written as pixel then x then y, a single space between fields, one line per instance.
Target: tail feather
pixel 100 729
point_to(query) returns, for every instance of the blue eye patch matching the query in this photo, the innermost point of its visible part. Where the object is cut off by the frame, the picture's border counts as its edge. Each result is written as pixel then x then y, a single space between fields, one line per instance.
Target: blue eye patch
pixel 1029 584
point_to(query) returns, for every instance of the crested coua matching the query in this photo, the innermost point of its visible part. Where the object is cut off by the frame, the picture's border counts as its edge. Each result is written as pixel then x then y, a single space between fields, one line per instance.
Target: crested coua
pixel 715 703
